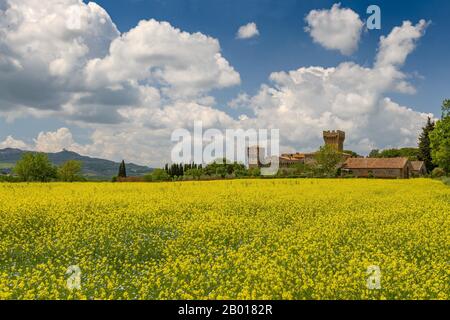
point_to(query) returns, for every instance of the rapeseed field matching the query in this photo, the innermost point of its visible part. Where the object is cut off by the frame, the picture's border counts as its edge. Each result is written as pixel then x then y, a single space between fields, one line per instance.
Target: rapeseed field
pixel 241 239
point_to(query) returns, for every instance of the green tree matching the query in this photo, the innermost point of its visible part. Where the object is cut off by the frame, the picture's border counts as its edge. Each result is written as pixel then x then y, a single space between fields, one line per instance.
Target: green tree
pixel 254 172
pixel 352 153
pixel 446 108
pixel 195 173
pixel 122 170
pixel 410 153
pixel 158 175
pixel 35 167
pixel 425 145
pixel 328 160
pixel 375 153
pixel 224 167
pixel 303 169
pixel 70 171
pixel 440 139
pixel 221 171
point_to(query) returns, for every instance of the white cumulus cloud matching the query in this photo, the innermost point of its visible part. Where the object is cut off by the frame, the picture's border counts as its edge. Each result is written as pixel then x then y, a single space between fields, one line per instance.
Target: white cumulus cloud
pixel 247 31
pixel 336 29
pixel 399 43
pixel 54 141
pixel 10 142
pixel 304 102
pixel 87 71
pixel 131 90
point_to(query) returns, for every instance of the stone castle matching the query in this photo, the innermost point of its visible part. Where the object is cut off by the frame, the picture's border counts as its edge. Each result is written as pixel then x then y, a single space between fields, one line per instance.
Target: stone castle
pixel 357 166
pixel 333 138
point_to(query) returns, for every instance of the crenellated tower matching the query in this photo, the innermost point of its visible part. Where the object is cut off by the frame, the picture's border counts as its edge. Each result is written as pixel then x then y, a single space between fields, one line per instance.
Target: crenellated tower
pixel 335 139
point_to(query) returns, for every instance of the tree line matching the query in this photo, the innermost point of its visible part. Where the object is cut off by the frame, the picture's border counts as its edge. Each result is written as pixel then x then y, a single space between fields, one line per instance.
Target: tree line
pixel 433 149
pixel 219 169
pixel 36 167
pixel 438 149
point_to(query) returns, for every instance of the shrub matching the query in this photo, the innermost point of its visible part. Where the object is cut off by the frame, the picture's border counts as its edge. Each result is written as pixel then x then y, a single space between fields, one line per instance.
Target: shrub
pixel 9 179
pixel 446 180
pixel 241 173
pixel 193 173
pixel 437 173
pixel 159 175
pixel 254 172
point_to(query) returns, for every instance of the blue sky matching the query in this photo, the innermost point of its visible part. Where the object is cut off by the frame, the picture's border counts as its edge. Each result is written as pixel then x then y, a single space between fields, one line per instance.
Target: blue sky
pixel 282 46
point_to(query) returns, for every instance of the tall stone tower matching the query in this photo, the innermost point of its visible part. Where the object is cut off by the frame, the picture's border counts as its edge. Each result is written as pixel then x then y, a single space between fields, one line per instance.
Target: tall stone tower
pixel 335 139
pixel 255 155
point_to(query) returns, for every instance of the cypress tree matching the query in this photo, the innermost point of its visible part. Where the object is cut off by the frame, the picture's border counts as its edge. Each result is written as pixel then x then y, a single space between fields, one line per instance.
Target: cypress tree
pixel 122 170
pixel 425 147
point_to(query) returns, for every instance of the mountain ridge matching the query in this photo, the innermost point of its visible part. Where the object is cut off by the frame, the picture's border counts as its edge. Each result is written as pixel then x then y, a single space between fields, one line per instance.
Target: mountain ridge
pixel 92 168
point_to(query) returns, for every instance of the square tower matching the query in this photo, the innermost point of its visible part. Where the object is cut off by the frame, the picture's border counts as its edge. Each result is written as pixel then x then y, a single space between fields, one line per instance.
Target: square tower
pixel 255 155
pixel 335 139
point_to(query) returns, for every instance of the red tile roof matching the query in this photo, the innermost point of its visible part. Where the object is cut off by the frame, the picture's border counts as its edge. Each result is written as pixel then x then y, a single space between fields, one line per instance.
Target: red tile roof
pixel 417 165
pixel 295 156
pixel 375 163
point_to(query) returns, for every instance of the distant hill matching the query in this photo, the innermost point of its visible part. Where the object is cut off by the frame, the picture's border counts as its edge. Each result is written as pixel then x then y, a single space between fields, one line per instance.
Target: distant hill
pixel 93 168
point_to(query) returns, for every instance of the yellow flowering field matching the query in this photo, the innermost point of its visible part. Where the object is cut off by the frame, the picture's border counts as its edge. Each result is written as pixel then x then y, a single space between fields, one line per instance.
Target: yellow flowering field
pixel 241 239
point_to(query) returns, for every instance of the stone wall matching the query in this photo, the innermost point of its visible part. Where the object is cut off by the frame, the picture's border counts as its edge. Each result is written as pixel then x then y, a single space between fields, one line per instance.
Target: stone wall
pixel 379 173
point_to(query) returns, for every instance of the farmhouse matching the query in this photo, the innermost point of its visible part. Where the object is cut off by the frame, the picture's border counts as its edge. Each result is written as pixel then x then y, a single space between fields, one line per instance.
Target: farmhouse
pixel 287 160
pixel 378 167
pixel 400 167
pixel 418 169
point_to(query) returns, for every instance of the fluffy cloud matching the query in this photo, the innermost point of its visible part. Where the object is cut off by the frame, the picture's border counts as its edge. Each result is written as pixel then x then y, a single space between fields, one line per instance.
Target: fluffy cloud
pixel 399 43
pixel 350 97
pixel 132 90
pixel 67 59
pixel 55 141
pixel 10 142
pixel 158 54
pixel 335 29
pixel 241 101
pixel 42 53
pixel 247 31
pixel 45 142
